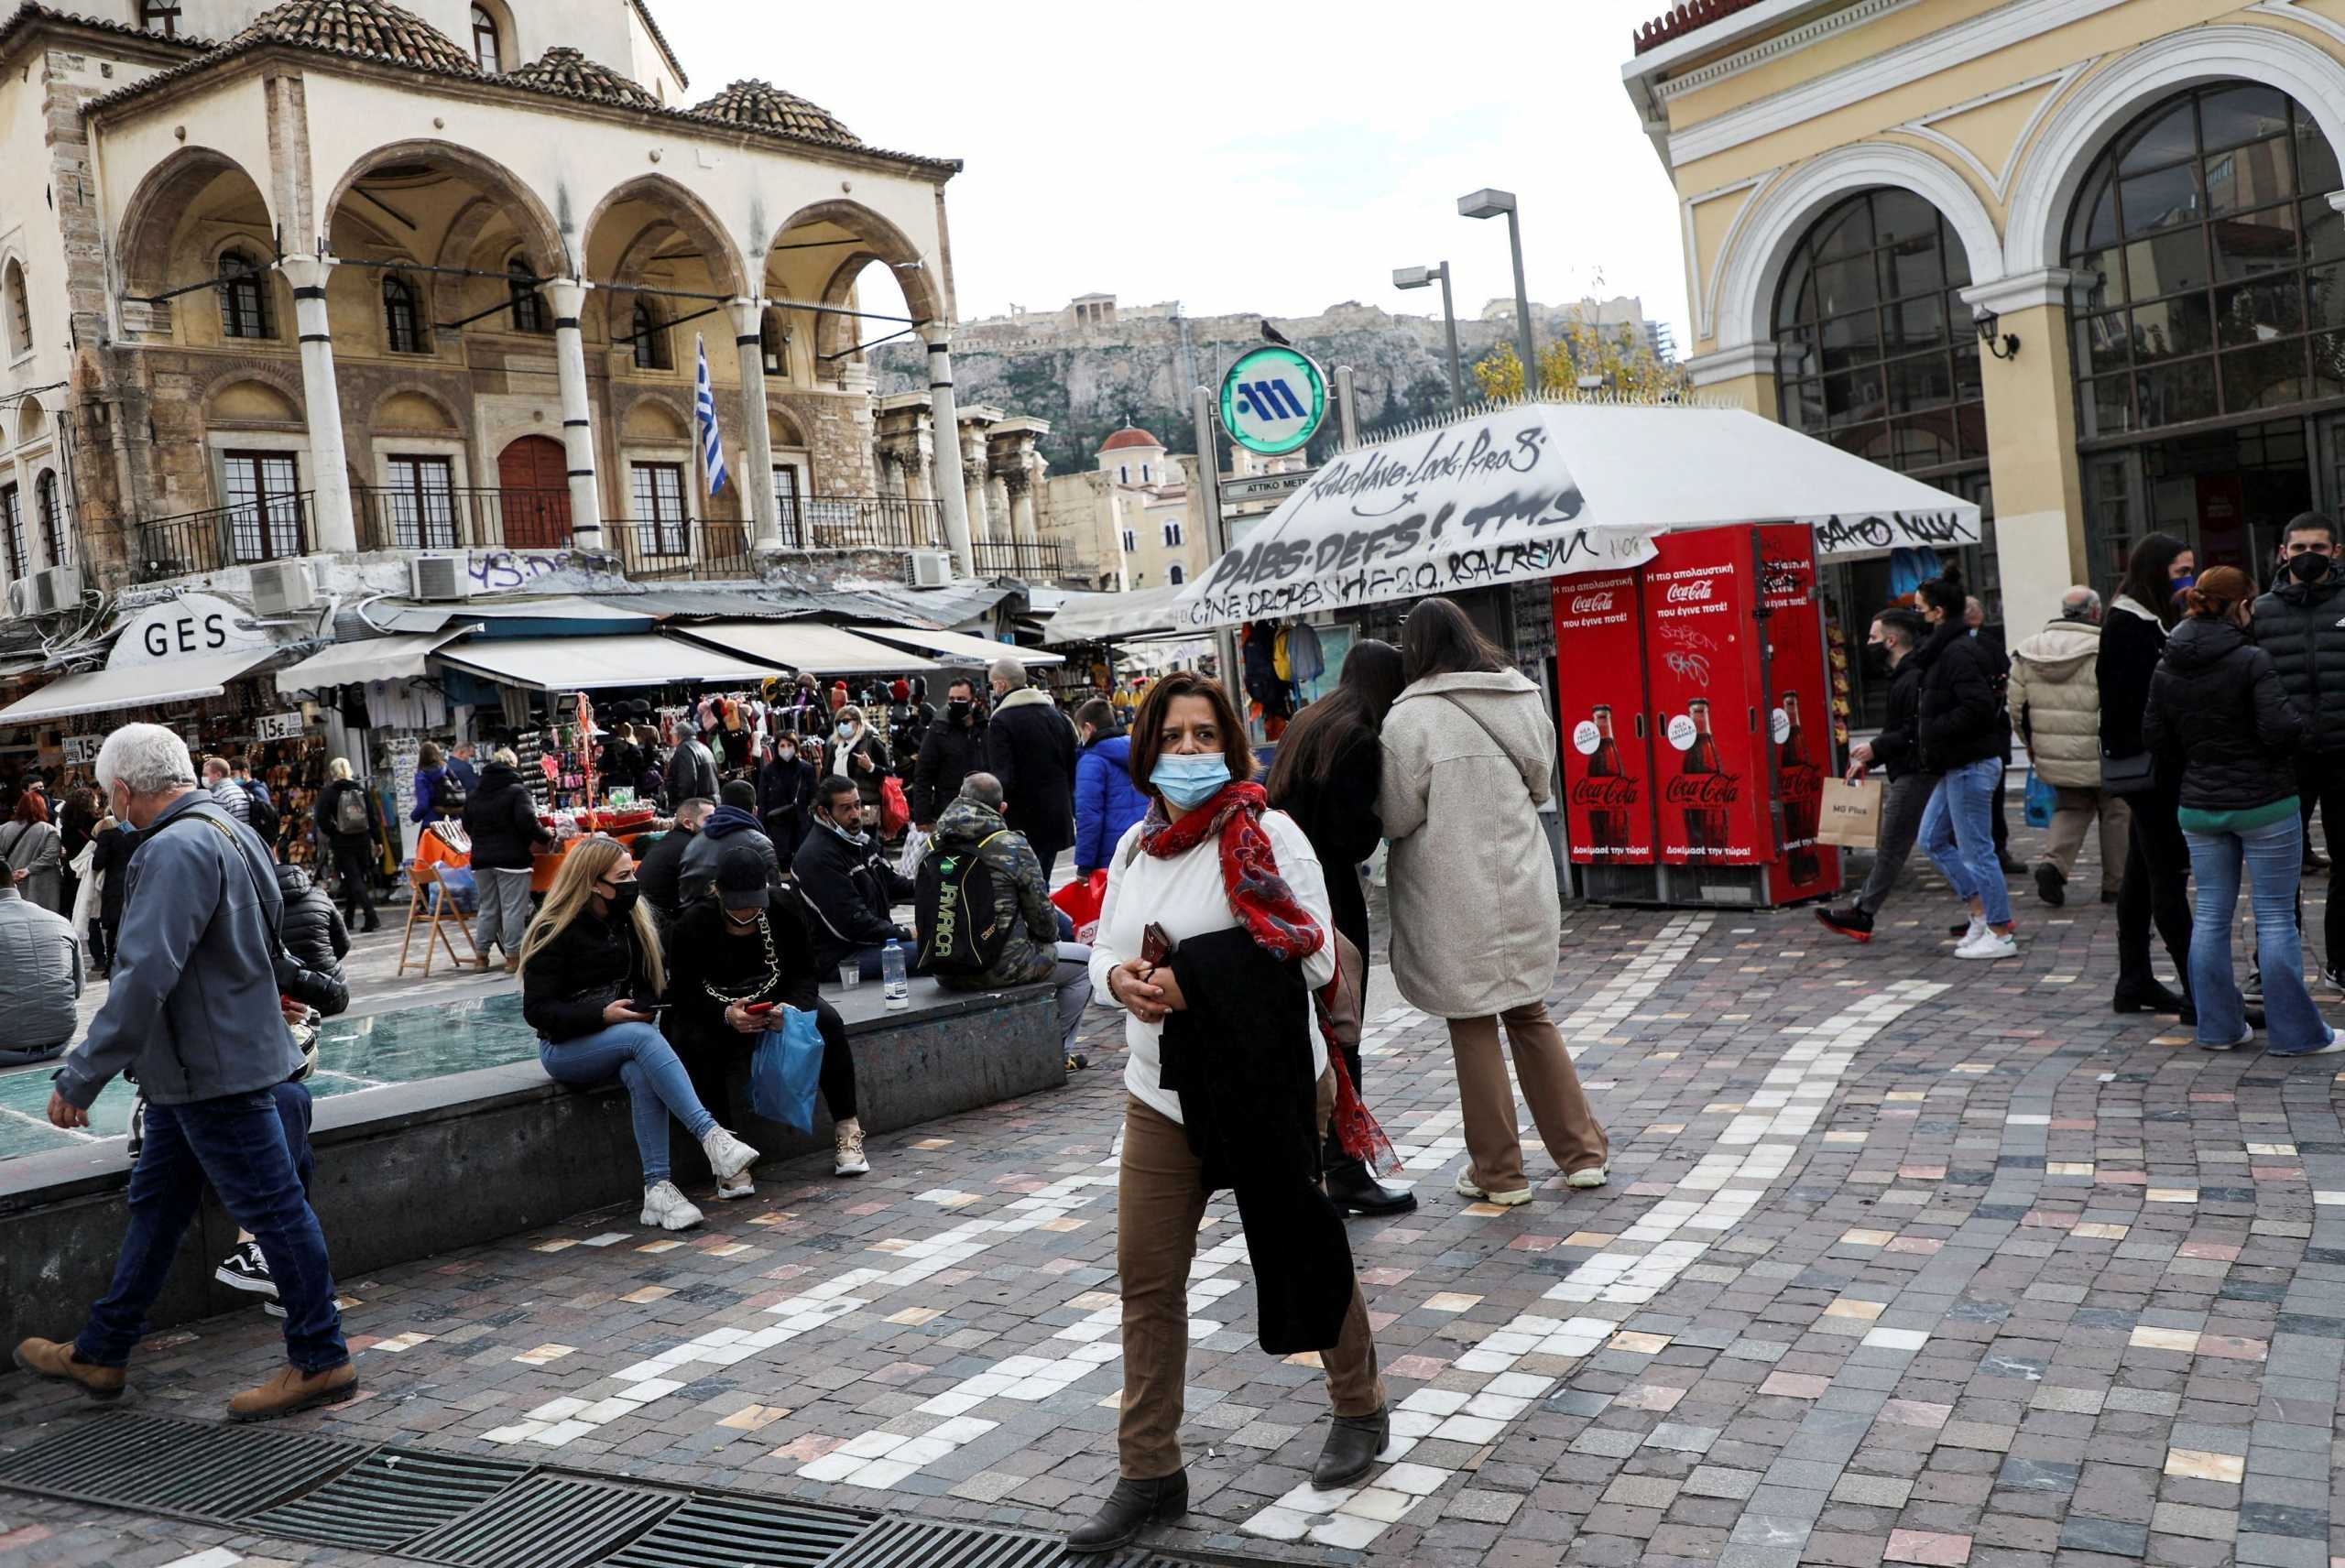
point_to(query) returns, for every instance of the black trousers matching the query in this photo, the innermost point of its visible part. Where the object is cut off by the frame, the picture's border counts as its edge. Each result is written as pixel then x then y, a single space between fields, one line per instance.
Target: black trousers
pixel 2156 889
pixel 2321 781
pixel 2002 829
pixel 709 1060
pixel 353 864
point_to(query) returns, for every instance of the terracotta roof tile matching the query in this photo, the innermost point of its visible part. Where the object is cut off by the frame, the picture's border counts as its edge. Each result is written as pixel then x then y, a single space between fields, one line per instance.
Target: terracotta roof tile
pixel 31 11
pixel 368 29
pixel 572 75
pixel 760 105
pixel 1130 435
pixel 1679 20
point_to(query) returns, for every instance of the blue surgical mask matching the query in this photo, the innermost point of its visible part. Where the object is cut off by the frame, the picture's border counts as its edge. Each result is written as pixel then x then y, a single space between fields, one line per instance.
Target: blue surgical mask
pixel 1190 781
pixel 2185 581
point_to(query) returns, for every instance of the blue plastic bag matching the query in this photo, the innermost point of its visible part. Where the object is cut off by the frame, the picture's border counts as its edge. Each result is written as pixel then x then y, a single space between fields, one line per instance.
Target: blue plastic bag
pixel 2041 799
pixel 786 1070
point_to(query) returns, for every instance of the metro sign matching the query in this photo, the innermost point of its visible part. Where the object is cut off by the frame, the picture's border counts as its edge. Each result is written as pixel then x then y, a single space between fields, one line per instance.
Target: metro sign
pixel 1273 400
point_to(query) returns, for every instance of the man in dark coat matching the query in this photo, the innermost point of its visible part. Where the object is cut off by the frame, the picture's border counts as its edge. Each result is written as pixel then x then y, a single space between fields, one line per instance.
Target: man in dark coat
pixel 501 818
pixel 1963 735
pixel 2301 623
pixel 1897 752
pixel 846 885
pixel 691 771
pixel 786 795
pixel 1029 747
pixel 953 748
pixel 660 869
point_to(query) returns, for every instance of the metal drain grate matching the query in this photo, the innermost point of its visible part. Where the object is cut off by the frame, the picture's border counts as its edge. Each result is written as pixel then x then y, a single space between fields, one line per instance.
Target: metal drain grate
pixel 396 1494
pixel 546 1521
pixel 916 1543
pixel 163 1465
pixel 711 1530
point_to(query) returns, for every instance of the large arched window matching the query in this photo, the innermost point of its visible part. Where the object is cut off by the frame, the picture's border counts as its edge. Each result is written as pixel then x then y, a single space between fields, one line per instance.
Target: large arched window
pixel 486 51
pixel 649 337
pixel 243 296
pixel 1877 353
pixel 2208 257
pixel 528 305
pixel 12 531
pixel 20 309
pixel 51 517
pixel 402 323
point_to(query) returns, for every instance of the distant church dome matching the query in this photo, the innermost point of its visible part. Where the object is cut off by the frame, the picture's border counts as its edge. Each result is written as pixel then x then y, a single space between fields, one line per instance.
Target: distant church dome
pixel 1130 435
pixel 762 106
pixel 572 75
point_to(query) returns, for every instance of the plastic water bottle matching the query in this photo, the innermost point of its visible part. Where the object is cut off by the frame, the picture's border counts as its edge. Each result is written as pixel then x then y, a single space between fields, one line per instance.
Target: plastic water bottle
pixel 894 978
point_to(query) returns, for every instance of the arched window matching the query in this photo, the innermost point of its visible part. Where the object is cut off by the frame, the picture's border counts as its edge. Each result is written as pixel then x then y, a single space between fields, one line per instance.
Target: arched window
pixel 12 531
pixel 2210 255
pixel 1877 353
pixel 402 326
pixel 485 52
pixel 774 341
pixel 20 311
pixel 1176 574
pixel 649 337
pixel 51 518
pixel 243 296
pixel 529 313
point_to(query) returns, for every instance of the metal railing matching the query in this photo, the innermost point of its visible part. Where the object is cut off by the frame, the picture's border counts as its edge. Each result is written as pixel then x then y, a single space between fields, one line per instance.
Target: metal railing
pixel 472 517
pixel 860 522
pixel 1029 561
pixel 687 549
pixel 272 527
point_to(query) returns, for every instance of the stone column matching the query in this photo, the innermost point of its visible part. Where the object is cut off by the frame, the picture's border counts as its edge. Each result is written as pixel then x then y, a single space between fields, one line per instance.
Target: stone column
pixel 2038 530
pixel 1020 481
pixel 971 440
pixel 569 296
pixel 337 528
pixel 748 320
pixel 950 484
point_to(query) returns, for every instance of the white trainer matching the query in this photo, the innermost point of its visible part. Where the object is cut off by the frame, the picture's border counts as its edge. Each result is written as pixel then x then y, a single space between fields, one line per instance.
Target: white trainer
pixel 733 1187
pixel 1989 944
pixel 1594 1176
pixel 668 1208
pixel 846 1155
pixel 1978 927
pixel 1468 1188
pixel 727 1155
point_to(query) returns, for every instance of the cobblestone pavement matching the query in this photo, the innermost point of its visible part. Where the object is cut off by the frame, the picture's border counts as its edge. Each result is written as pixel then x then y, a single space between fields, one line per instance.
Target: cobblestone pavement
pixel 1903 1259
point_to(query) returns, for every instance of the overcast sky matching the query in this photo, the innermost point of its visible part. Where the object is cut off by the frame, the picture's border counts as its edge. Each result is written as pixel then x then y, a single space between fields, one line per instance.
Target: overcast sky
pixel 1240 157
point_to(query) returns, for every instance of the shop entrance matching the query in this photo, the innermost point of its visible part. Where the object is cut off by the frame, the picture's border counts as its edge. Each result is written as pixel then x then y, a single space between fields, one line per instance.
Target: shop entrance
pixel 2227 493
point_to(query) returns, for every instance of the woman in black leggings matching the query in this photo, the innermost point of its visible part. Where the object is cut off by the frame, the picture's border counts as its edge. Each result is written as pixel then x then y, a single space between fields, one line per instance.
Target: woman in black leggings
pixel 2157 889
pixel 349 819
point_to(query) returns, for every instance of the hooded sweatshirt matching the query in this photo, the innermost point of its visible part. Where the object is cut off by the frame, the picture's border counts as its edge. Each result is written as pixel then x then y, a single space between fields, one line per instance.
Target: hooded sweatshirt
pixel 726 828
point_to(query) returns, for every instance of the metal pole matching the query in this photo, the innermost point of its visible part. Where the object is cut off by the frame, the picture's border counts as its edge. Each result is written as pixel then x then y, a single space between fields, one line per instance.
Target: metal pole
pixel 1346 406
pixel 1524 344
pixel 1224 640
pixel 1449 325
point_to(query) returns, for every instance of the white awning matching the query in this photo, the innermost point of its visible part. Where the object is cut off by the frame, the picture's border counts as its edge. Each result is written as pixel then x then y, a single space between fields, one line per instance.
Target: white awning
pixel 1109 617
pixel 1536 490
pixel 960 645
pixel 370 659
pixel 594 663
pixel 804 646
pixel 139 686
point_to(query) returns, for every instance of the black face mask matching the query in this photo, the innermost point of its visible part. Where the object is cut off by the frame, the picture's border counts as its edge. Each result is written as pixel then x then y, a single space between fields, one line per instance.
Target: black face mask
pixel 622 901
pixel 960 707
pixel 2308 567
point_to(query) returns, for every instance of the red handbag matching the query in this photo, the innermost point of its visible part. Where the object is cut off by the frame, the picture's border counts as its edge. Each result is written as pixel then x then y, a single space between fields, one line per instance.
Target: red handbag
pixel 895 812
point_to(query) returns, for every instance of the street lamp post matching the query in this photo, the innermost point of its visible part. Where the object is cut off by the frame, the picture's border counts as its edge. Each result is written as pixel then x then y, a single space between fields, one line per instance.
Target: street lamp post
pixel 1490 205
pixel 1418 278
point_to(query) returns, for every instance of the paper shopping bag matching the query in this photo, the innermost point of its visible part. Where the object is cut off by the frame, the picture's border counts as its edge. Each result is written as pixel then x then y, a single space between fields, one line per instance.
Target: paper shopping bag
pixel 1850 814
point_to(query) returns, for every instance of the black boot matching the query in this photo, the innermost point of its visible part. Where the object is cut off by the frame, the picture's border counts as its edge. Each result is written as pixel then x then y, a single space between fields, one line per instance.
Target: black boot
pixel 2144 995
pixel 1355 1192
pixel 1353 1444
pixel 1131 1508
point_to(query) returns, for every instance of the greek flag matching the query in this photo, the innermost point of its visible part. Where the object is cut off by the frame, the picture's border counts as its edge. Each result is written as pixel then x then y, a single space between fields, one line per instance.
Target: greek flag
pixel 711 445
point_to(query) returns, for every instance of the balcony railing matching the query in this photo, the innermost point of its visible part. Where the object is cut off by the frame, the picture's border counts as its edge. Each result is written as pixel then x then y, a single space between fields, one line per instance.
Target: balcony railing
pixel 474 517
pixel 860 522
pixel 272 527
pixel 686 550
pixel 1031 562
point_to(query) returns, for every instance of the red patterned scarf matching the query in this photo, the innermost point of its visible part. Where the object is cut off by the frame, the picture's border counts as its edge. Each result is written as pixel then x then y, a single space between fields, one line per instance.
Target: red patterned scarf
pixel 1276 919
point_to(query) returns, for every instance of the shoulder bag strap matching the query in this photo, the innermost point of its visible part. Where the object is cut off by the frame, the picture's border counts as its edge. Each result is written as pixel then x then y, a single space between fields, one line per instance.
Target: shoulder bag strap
pixel 236 848
pixel 1452 699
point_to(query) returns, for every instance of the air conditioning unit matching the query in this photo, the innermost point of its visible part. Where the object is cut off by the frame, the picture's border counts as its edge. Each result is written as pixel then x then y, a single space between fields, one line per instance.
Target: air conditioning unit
pixel 928 568
pixel 283 588
pixel 20 597
pixel 438 578
pixel 58 588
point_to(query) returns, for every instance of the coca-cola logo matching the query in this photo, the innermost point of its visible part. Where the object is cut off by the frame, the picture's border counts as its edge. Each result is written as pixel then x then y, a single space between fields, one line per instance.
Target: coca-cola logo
pixel 1703 789
pixel 1592 604
pixel 1691 593
pixel 1605 793
pixel 1802 784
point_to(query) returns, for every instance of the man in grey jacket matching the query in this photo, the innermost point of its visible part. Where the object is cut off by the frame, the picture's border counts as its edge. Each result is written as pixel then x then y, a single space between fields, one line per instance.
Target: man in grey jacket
pixel 195 1009
pixel 40 979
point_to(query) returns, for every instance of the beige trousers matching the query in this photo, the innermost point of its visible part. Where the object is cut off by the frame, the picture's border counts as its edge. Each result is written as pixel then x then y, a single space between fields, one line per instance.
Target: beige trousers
pixel 2072 812
pixel 1559 1106
pixel 1159 1202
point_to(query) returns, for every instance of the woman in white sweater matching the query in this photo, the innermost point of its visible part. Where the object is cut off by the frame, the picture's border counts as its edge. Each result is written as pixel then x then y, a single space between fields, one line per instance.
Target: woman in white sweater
pixel 1209 857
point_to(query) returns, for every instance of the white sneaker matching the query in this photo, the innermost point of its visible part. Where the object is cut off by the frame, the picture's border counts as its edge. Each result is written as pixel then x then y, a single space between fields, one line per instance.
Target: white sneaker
pixel 1594 1176
pixel 1977 927
pixel 669 1209
pixel 727 1155
pixel 733 1187
pixel 846 1159
pixel 1468 1188
pixel 1989 944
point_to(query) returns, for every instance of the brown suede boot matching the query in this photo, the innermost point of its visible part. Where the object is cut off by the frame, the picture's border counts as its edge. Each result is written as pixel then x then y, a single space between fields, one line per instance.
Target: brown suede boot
pixel 293 1390
pixel 47 1359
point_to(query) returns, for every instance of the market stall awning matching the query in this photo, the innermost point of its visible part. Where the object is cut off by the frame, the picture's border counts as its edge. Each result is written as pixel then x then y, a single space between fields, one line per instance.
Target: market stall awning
pixel 959 645
pixel 596 663
pixel 802 645
pixel 137 686
pixel 398 616
pixel 368 658
pixel 1553 490
pixel 1106 618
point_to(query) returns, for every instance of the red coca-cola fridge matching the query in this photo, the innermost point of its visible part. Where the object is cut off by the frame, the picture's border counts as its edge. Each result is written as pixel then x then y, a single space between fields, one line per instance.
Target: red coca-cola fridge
pixel 1692 695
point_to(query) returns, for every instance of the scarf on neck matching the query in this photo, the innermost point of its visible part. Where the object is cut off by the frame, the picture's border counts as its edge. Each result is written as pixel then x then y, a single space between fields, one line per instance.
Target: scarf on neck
pixel 1275 918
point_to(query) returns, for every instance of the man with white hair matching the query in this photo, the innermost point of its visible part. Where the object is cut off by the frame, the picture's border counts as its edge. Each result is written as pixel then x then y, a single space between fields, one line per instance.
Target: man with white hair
pixel 201 906
pixel 1029 747
pixel 2055 706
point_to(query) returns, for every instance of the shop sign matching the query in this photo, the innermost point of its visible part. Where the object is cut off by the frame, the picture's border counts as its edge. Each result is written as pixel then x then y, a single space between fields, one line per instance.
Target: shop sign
pixel 82 751
pixel 1273 400
pixel 193 626
pixel 279 726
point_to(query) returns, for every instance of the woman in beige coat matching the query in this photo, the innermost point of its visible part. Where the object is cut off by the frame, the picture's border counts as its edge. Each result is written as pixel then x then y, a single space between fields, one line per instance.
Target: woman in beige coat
pixel 1468 754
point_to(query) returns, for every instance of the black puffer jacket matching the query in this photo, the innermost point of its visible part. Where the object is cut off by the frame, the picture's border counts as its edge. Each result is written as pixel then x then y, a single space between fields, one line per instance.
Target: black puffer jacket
pixel 566 984
pixel 1029 747
pixel 2302 626
pixel 502 818
pixel 1960 717
pixel 313 936
pixel 2218 710
pixel 948 754
pixel 1897 749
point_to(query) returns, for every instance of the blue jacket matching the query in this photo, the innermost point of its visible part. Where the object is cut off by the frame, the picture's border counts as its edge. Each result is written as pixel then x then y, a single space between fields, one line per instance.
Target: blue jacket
pixel 194 1004
pixel 427 780
pixel 1107 801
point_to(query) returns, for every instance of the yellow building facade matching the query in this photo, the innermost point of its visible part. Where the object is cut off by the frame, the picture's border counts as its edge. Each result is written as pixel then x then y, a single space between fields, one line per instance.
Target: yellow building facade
pixel 2080 260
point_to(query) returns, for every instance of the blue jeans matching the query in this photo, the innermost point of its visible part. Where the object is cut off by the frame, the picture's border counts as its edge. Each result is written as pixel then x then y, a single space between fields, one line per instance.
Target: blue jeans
pixel 657 1084
pixel 240 1143
pixel 1958 833
pixel 2274 855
